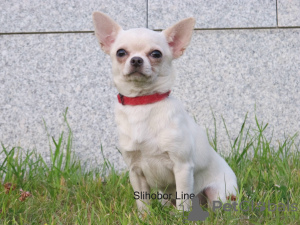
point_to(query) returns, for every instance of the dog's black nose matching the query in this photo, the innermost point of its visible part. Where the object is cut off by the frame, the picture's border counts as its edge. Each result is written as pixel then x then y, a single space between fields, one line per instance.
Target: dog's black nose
pixel 136 61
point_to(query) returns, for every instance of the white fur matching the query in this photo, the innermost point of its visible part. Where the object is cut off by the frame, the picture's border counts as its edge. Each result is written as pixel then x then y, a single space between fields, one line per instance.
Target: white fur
pixel 161 144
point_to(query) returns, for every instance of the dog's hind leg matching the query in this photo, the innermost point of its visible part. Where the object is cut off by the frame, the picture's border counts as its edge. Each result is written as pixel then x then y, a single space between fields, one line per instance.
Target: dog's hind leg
pixel 218 192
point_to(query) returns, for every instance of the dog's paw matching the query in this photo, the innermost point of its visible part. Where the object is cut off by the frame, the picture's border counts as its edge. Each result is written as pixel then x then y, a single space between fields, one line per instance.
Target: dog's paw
pixel 183 205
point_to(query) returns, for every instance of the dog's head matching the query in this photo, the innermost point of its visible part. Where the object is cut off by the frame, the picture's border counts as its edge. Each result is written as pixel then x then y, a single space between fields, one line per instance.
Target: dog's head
pixel 142 58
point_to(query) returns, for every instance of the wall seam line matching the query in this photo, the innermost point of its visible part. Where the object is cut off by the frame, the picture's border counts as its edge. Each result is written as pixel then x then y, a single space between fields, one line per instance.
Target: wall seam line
pixel 277 13
pixel 147 12
pixel 202 29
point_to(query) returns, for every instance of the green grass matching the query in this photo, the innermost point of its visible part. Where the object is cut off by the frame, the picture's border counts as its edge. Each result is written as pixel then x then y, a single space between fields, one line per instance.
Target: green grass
pixel 63 192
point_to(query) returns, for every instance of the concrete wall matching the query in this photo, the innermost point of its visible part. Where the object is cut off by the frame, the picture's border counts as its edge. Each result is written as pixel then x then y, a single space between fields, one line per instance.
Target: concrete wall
pixel 244 53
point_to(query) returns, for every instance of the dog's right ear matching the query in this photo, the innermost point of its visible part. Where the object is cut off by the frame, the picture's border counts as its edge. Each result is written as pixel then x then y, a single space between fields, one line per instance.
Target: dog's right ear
pixel 106 30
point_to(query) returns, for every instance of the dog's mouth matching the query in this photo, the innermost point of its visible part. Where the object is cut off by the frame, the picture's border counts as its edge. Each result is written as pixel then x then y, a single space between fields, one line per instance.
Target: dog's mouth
pixel 136 74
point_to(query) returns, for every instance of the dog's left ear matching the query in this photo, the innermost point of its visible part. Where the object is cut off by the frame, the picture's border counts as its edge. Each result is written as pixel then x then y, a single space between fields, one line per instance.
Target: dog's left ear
pixel 179 35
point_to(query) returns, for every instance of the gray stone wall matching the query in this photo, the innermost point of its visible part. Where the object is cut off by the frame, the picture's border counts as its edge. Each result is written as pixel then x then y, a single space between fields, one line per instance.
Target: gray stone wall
pixel 244 57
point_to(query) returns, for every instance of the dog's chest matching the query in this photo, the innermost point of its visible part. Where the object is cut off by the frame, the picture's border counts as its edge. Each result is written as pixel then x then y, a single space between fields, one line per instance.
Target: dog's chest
pixel 139 128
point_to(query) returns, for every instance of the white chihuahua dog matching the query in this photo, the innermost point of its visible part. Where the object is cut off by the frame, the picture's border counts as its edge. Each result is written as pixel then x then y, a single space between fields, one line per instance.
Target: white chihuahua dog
pixel 161 144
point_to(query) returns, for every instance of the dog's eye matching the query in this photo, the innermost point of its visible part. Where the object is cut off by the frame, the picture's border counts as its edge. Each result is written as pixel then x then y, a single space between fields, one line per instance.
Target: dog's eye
pixel 156 54
pixel 121 53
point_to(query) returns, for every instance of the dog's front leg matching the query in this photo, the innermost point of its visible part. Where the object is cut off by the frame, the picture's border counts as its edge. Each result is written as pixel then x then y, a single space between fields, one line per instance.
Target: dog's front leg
pixel 140 187
pixel 184 176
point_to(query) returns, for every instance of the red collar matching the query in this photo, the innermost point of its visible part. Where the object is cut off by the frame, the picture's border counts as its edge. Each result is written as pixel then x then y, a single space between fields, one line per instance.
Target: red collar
pixel 142 100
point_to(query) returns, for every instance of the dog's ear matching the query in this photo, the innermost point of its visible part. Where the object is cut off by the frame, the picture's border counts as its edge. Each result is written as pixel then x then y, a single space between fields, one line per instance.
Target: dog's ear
pixel 106 30
pixel 179 35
